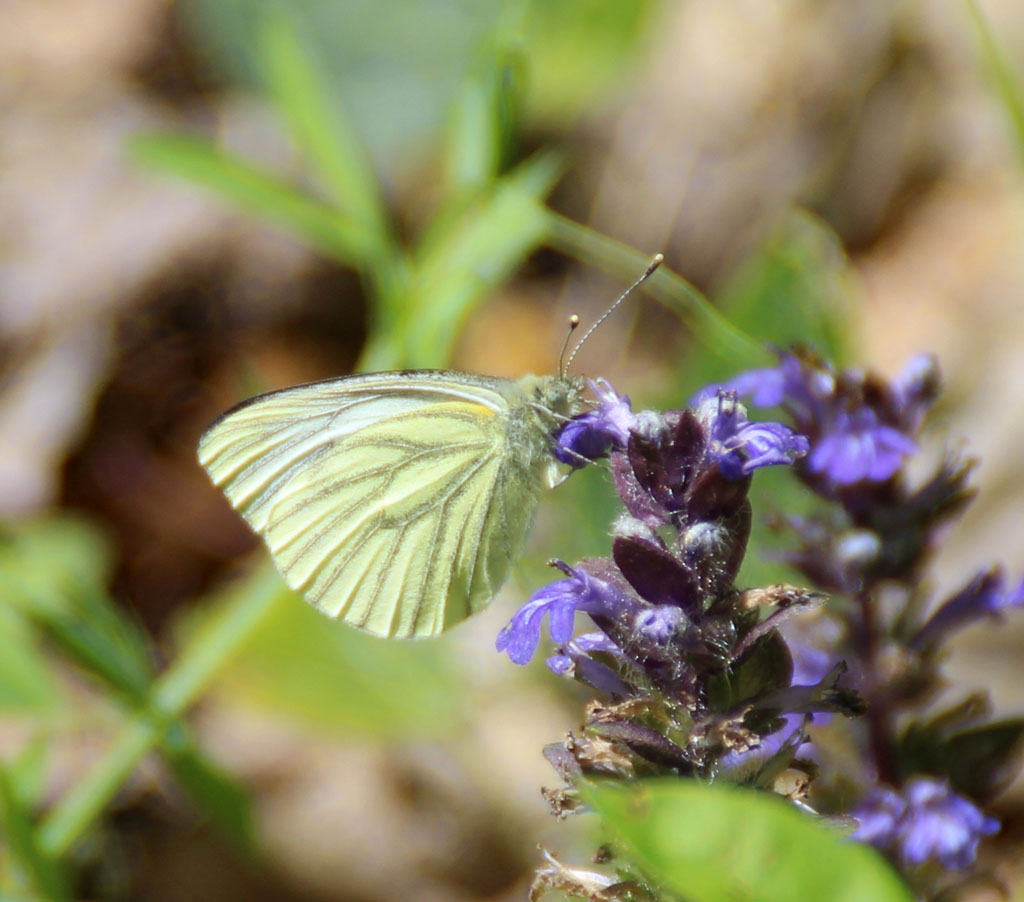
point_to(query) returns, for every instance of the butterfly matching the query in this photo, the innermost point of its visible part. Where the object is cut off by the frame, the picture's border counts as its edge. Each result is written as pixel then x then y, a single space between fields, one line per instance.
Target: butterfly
pixel 395 501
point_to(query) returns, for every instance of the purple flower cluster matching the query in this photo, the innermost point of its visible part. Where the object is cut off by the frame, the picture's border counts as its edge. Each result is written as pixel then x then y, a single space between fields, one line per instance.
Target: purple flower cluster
pixel 702 679
pixel 669 619
pixel 924 822
pixel 685 470
pixel 860 428
pixel 871 542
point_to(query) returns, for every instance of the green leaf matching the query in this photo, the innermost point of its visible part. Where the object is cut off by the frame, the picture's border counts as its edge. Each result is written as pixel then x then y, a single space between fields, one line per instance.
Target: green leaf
pixel 767 666
pixel 41 558
pixel 978 762
pixel 982 762
pixel 257 192
pixel 54 571
pixel 212 790
pixel 39 869
pixel 727 844
pixel 103 641
pixel 321 130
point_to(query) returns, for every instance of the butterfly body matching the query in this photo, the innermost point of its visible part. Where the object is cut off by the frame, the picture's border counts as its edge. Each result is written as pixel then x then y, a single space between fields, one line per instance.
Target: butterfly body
pixel 393 501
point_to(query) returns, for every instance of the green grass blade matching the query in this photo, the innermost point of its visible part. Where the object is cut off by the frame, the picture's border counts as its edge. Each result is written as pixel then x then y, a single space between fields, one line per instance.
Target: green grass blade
pixel 216 794
pixel 210 650
pixel 469 251
pixel 1007 83
pixel 708 326
pixel 26 682
pixel 472 151
pixel 85 801
pixel 27 769
pixel 255 191
pixel 37 867
pixel 321 130
pixel 53 574
pixel 483 127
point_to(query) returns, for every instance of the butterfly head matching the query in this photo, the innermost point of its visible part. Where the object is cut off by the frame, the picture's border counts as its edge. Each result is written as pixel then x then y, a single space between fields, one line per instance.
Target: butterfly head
pixel 557 396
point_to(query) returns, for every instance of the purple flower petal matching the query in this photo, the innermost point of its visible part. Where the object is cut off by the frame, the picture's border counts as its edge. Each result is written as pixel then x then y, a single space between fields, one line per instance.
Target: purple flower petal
pixel 858 447
pixel 575 656
pixel 804 388
pixel 861 427
pixel 878 817
pixel 739 446
pixel 985 595
pixel 592 434
pixel 560 601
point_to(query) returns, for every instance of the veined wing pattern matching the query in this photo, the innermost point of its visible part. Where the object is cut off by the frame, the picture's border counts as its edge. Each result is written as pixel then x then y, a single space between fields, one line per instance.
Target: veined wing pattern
pixel 383 498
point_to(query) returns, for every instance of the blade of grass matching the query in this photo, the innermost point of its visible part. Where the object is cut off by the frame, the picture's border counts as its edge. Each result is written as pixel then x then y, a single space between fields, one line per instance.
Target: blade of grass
pixel 469 251
pixel 708 326
pixel 172 693
pixel 1007 84
pixel 23 843
pixel 472 149
pixel 321 131
pixel 212 791
pixel 256 192
pixel 484 123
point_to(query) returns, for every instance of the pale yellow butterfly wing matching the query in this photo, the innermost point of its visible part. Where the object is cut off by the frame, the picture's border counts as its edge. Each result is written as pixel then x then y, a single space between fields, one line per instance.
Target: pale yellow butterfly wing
pixel 392 501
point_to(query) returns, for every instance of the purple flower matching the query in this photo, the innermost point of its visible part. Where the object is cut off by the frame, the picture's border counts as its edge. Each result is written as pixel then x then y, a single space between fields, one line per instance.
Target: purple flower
pixel 739 446
pixel 927 821
pixel 560 601
pixel 878 817
pixel 858 447
pixel 576 647
pixel 805 391
pixel 860 426
pixel 591 434
pixel 916 388
pixel 575 658
pixel 984 596
pixel 810 666
pixel 790 731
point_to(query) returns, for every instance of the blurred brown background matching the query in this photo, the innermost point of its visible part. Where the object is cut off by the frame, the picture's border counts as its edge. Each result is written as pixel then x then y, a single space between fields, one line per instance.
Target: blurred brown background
pixel 133 309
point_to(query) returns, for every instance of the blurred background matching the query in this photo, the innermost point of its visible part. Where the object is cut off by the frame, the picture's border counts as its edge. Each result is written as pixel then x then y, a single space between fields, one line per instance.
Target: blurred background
pixel 203 199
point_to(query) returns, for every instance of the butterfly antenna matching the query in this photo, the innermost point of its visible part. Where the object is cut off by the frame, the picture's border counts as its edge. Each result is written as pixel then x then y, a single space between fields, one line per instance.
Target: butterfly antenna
pixel 574 321
pixel 656 261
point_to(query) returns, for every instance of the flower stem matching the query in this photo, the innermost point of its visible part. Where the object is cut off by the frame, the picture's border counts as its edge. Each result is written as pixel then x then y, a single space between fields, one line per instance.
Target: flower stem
pixel 878 713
